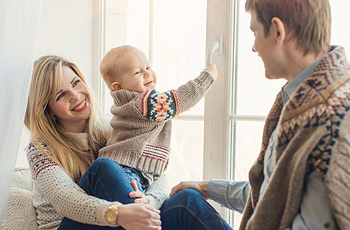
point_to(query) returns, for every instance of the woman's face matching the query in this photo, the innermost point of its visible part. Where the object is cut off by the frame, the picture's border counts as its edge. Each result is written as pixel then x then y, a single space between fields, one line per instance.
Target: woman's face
pixel 71 106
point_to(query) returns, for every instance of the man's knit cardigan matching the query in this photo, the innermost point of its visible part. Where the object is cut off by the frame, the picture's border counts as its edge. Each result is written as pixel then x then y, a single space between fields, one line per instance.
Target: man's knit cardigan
pixel 141 124
pixel 313 134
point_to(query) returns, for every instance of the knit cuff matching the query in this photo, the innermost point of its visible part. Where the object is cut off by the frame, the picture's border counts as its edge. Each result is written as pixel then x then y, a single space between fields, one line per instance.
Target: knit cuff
pixel 205 79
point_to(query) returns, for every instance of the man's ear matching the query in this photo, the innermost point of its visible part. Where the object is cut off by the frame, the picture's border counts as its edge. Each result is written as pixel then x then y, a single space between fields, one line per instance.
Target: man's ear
pixel 278 30
pixel 115 86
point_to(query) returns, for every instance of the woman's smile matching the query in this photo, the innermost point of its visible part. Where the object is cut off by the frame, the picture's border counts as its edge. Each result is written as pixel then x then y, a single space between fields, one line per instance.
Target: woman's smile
pixel 80 107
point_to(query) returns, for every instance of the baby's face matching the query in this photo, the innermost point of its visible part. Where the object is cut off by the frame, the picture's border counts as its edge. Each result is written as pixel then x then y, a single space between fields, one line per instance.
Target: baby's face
pixel 135 72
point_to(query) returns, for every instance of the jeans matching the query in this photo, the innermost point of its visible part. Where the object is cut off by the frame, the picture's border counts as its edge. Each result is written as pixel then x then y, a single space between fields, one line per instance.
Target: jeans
pixel 106 179
pixel 189 210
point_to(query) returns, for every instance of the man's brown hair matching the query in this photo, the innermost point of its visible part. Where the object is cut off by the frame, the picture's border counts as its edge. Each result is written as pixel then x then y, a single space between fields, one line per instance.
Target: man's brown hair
pixel 307 22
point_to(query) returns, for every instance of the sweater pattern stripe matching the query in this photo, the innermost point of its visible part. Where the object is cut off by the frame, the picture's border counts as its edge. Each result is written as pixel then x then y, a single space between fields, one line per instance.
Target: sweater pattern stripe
pixel 160 106
pixel 37 161
pixel 156 152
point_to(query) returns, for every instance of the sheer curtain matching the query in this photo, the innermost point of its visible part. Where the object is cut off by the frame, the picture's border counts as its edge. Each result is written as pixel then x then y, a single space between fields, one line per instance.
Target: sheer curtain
pixel 19 23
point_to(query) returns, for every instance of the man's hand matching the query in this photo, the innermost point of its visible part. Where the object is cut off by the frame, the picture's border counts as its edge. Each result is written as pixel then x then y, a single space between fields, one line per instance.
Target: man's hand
pixel 200 186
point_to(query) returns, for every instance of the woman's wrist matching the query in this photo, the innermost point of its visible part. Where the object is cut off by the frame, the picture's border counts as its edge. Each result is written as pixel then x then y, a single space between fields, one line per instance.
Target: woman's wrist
pixel 112 213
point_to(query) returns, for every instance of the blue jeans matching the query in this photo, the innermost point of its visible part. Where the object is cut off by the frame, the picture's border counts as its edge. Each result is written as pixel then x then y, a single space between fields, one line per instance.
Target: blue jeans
pixel 189 210
pixel 106 179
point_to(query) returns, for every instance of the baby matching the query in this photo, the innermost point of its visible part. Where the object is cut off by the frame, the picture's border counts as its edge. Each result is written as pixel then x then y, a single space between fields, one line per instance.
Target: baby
pixel 141 123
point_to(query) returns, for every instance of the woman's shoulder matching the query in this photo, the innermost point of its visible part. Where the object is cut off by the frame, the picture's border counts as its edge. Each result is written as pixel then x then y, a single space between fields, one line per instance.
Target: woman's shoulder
pixel 32 147
pixel 37 160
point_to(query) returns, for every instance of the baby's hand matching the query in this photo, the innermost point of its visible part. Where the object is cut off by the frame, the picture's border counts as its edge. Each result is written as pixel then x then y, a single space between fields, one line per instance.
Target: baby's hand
pixel 212 70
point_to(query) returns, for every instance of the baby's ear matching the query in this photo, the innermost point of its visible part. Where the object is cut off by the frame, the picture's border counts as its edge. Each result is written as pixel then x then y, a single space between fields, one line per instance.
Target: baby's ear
pixel 115 86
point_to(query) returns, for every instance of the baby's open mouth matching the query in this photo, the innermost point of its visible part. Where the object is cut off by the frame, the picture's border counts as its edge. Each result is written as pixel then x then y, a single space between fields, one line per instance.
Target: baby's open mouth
pixel 148 83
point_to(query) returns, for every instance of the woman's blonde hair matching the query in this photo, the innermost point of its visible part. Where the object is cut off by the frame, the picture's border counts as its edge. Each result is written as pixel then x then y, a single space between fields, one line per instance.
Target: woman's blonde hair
pixel 43 127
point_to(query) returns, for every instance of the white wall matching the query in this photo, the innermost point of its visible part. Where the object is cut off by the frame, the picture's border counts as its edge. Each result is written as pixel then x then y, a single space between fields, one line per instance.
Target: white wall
pixel 69 29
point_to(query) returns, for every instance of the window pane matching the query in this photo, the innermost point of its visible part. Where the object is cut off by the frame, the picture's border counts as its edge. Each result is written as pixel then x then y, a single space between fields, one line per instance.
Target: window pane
pixel 179 43
pixel 247 148
pixel 340 34
pixel 254 93
pixel 186 159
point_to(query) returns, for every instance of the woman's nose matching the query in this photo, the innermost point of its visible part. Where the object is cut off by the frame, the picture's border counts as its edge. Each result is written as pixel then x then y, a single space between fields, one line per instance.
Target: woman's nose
pixel 74 96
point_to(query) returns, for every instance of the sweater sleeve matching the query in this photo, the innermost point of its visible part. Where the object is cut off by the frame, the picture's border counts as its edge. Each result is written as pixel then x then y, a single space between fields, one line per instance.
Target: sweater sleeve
pixel 66 197
pixel 164 106
pixel 158 192
pixel 231 194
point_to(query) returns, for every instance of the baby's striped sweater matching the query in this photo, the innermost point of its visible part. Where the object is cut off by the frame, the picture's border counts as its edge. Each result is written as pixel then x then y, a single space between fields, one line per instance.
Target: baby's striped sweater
pixel 141 124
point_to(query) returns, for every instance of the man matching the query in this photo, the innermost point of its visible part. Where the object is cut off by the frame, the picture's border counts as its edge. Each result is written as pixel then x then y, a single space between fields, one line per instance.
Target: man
pixel 301 179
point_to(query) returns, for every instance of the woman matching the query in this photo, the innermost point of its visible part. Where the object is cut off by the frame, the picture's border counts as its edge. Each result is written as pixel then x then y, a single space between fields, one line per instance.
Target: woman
pixel 70 184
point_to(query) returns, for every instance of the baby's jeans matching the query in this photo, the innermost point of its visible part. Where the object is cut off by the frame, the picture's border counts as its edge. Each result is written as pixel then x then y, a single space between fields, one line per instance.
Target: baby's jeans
pixel 107 180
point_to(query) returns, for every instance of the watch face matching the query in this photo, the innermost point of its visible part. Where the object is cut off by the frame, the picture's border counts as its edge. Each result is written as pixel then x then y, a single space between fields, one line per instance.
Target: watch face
pixel 111 216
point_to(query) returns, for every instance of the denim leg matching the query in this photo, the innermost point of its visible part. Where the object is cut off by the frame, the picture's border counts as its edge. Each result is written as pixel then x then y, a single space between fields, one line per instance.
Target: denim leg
pixel 104 179
pixel 189 210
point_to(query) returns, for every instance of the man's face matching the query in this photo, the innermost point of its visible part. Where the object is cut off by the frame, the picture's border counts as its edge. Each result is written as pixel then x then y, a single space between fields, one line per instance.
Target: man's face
pixel 267 49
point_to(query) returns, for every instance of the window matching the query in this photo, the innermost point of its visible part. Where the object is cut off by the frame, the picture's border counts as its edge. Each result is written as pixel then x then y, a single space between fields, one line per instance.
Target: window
pixel 175 46
pixel 221 136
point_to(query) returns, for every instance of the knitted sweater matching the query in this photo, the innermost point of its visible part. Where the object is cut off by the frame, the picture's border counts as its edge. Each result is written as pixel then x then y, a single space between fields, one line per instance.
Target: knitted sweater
pixel 141 124
pixel 56 195
pixel 312 134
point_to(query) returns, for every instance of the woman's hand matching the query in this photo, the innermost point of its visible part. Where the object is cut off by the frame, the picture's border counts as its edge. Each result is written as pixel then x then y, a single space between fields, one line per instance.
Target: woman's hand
pixel 142 198
pixel 138 217
pixel 200 186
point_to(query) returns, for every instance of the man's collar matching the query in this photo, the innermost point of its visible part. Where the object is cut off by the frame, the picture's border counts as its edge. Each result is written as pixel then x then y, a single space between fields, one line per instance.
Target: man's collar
pixel 292 85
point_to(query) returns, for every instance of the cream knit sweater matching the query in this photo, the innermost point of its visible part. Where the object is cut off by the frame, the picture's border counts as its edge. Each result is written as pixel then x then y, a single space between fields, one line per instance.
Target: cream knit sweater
pixel 56 195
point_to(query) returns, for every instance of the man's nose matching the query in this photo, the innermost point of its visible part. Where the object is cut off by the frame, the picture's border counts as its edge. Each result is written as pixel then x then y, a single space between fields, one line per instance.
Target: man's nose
pixel 253 49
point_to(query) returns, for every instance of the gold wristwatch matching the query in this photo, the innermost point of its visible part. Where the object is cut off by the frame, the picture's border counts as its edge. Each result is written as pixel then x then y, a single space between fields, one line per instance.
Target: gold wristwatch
pixel 111 213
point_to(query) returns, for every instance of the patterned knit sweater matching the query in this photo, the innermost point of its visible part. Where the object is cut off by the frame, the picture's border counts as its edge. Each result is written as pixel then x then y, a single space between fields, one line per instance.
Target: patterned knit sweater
pixel 313 134
pixel 56 195
pixel 141 124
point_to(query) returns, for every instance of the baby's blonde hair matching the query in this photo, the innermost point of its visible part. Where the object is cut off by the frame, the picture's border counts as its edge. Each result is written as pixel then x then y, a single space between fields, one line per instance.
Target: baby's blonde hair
pixel 66 153
pixel 109 67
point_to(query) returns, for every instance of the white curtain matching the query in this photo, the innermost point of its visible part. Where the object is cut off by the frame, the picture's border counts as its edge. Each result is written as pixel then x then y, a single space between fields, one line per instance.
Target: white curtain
pixel 19 24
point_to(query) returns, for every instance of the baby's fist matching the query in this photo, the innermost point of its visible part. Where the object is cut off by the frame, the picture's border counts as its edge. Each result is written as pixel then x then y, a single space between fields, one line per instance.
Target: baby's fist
pixel 212 70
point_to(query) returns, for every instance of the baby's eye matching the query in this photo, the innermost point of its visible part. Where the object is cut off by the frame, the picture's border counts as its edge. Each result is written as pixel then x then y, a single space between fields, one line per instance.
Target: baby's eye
pixel 148 68
pixel 138 72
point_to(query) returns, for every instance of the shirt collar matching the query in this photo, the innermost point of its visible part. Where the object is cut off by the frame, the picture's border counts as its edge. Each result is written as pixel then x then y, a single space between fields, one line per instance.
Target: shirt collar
pixel 291 86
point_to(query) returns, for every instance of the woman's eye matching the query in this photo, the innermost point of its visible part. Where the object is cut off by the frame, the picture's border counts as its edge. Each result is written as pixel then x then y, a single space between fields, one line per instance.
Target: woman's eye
pixel 76 82
pixel 59 96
